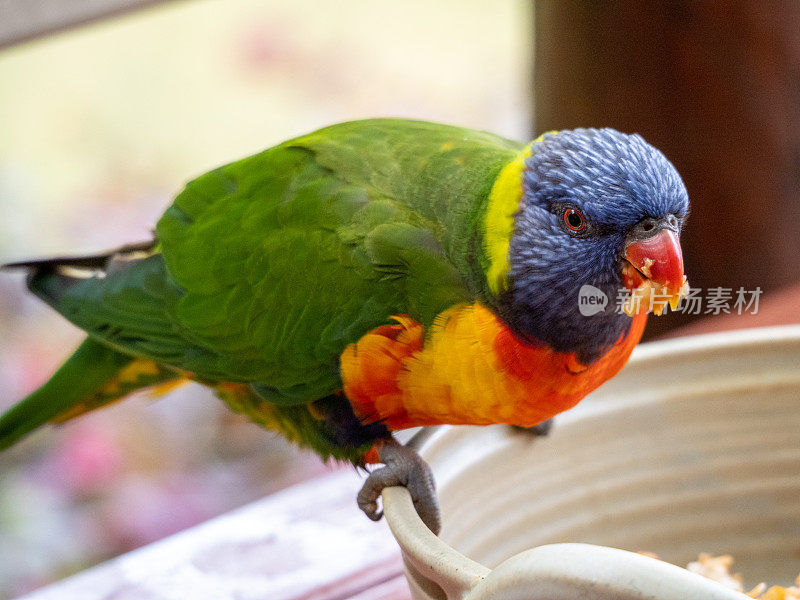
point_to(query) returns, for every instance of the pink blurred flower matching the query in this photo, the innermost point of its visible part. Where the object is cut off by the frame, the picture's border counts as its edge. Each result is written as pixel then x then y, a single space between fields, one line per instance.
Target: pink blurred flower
pixel 86 460
pixel 142 511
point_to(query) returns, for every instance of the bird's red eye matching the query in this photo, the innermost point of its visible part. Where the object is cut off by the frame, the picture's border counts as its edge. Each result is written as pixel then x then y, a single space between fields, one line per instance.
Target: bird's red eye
pixel 574 220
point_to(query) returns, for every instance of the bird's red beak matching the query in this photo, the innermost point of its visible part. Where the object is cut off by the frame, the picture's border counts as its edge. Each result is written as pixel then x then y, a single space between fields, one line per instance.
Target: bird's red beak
pixel 659 259
pixel 655 270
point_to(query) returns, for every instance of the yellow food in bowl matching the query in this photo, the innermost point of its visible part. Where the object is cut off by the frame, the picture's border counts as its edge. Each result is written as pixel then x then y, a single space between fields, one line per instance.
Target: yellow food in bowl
pixel 718 568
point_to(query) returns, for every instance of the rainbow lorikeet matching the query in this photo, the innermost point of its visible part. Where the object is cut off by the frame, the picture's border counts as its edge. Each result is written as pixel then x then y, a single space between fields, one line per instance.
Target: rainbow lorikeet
pixel 378 275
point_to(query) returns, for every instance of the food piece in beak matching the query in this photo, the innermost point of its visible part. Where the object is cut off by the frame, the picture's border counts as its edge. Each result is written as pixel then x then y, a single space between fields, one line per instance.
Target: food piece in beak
pixel 654 273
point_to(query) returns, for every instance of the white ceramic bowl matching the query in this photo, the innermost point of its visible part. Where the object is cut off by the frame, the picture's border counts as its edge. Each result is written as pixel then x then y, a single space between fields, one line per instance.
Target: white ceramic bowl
pixel 694 447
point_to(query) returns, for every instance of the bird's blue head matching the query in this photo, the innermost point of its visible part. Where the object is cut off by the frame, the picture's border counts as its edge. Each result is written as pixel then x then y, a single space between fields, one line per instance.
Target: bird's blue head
pixel 599 208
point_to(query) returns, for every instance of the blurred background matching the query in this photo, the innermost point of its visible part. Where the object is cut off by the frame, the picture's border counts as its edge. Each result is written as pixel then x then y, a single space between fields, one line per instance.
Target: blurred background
pixel 101 125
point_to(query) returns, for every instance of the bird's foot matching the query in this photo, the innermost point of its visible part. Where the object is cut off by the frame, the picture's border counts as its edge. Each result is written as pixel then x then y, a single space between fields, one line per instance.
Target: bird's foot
pixel 540 430
pixel 403 466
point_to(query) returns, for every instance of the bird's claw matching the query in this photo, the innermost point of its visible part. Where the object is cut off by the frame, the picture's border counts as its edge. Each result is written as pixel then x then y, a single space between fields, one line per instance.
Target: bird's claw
pixel 403 466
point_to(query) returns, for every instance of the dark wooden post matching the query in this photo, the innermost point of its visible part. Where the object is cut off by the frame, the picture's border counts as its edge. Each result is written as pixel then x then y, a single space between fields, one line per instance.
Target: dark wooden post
pixel 716 86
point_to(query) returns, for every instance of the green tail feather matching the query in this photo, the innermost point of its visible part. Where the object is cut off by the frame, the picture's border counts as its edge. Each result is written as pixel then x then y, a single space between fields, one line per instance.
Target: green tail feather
pixel 78 386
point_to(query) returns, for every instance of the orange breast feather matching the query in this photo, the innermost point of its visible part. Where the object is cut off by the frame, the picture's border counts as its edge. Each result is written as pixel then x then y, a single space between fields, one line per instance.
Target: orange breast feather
pixel 470 370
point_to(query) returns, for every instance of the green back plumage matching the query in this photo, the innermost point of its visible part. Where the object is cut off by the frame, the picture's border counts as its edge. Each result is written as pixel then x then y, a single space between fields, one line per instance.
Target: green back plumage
pixel 268 267
pixel 287 256
pixel 440 172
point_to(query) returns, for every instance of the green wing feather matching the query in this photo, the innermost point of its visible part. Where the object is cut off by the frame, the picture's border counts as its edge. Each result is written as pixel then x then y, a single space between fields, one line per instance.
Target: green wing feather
pixel 124 307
